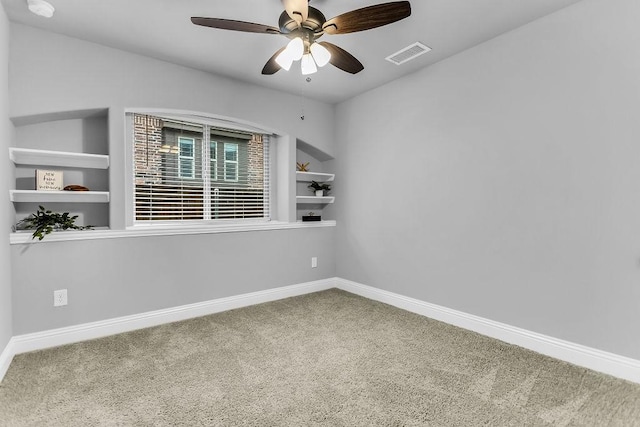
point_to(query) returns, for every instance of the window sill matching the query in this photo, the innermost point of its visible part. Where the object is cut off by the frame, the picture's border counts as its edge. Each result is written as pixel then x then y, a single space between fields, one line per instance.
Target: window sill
pixel 24 237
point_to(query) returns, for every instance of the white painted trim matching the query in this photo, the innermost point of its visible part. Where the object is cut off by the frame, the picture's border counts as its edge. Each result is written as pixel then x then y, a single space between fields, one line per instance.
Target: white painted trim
pixel 587 357
pixel 68 335
pixel 597 360
pixel 6 357
pixel 205 119
pixel 24 238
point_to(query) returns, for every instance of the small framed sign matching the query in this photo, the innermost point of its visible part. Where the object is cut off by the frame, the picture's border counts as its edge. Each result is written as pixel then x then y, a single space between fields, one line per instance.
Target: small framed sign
pixel 48 180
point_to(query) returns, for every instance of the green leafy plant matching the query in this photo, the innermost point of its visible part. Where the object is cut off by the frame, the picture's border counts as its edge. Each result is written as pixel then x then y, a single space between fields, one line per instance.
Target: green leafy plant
pixel 45 221
pixel 316 186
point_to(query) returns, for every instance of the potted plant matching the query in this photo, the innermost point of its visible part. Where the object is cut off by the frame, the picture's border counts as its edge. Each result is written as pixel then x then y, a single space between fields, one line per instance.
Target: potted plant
pixel 319 188
pixel 44 222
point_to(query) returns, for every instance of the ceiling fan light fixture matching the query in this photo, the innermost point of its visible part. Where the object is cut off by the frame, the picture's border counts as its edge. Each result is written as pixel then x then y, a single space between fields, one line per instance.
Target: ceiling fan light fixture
pixel 296 48
pixel 41 8
pixel 302 24
pixel 284 60
pixel 308 65
pixel 320 54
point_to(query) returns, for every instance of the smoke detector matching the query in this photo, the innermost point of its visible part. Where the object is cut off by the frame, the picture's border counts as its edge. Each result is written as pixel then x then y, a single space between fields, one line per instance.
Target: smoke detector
pixel 41 8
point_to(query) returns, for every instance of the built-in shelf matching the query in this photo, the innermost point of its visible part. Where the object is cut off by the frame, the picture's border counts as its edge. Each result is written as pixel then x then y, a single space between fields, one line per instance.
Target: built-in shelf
pixel 314 199
pixel 314 176
pixel 34 196
pixel 28 156
pixel 74 143
pixel 323 223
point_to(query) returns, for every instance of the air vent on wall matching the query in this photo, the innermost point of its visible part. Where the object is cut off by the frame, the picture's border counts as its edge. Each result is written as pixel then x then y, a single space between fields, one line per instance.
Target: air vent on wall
pixel 408 53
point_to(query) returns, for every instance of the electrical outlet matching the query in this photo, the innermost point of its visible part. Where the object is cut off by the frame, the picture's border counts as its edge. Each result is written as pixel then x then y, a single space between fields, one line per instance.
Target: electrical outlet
pixel 59 297
pixel 314 262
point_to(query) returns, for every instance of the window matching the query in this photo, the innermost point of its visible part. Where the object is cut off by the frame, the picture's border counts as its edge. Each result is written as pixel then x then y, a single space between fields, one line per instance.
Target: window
pixel 230 161
pixel 188 171
pixel 187 161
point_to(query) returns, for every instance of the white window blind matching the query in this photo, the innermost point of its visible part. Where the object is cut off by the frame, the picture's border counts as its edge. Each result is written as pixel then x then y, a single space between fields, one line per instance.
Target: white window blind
pixel 195 172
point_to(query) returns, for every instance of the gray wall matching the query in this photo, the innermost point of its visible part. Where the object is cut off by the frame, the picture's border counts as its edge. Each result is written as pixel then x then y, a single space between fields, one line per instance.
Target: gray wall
pixel 63 73
pixel 5 171
pixel 118 277
pixel 515 187
pixel 110 278
pixel 51 73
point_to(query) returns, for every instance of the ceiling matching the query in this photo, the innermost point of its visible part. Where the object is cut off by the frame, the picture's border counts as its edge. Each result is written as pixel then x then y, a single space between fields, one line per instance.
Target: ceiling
pixel 162 29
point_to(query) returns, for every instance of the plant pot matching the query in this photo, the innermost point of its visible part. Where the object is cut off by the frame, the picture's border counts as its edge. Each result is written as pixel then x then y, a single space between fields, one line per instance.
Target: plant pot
pixel 319 193
pixel 306 218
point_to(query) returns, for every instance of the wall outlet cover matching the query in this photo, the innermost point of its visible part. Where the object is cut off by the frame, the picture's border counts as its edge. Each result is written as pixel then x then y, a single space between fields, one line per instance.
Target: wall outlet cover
pixel 59 297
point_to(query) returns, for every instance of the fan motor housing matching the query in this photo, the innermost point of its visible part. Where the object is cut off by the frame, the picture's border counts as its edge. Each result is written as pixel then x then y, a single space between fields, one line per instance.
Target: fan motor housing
pixel 315 21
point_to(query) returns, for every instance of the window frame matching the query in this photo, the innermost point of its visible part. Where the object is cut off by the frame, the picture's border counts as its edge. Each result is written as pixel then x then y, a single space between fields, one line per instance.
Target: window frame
pixel 209 124
pixel 235 162
pixel 213 161
pixel 281 183
pixel 191 159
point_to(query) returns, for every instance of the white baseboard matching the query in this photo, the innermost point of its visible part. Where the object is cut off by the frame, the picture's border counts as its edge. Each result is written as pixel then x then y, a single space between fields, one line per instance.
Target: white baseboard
pixel 597 360
pixel 72 334
pixel 6 356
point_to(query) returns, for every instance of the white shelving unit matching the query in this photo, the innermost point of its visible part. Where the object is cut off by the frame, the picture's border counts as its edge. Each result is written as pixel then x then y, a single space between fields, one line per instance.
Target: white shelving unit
pixel 318 177
pixel 32 157
pixel 28 156
pixel 74 142
pixel 33 196
pixel 314 176
pixel 314 200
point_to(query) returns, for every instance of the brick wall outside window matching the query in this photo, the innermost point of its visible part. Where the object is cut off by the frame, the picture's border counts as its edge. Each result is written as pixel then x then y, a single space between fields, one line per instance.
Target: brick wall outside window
pixel 148 160
pixel 147 141
pixel 256 162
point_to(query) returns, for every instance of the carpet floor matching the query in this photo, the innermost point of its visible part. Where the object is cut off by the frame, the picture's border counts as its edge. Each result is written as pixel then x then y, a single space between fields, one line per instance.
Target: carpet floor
pixel 330 358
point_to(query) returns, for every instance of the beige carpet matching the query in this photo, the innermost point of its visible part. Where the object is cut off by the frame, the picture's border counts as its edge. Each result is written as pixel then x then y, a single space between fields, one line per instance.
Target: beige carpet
pixel 329 358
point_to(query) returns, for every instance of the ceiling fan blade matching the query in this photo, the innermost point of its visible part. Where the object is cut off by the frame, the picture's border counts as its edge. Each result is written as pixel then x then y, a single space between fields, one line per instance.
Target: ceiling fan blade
pixel 368 18
pixel 272 67
pixel 342 59
pixel 229 24
pixel 298 10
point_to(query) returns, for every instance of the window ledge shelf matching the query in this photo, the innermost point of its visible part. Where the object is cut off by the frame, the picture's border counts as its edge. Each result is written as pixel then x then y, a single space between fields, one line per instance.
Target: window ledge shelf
pixel 24 237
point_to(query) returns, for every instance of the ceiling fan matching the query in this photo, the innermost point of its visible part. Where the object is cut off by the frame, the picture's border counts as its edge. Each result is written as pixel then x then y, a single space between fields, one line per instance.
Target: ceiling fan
pixel 304 24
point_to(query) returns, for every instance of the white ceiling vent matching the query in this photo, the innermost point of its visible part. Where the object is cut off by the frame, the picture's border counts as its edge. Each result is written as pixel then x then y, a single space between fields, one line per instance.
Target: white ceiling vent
pixel 408 53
